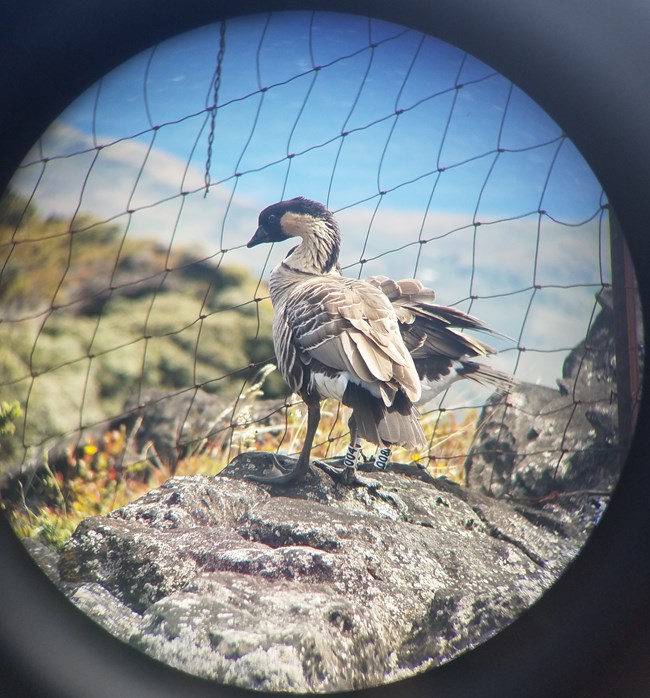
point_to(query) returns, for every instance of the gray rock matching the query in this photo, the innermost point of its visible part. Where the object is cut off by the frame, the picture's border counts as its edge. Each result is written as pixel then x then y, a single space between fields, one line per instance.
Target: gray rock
pixel 314 587
pixel 170 427
pixel 540 442
pixel 174 425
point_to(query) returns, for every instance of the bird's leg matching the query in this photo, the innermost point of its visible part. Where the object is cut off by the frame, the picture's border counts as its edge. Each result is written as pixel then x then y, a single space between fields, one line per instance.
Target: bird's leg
pixel 348 473
pixel 381 462
pixel 351 457
pixel 299 471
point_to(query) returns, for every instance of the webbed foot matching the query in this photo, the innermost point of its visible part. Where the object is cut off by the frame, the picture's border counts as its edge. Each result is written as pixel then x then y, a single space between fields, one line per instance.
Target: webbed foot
pixel 346 475
pixel 291 470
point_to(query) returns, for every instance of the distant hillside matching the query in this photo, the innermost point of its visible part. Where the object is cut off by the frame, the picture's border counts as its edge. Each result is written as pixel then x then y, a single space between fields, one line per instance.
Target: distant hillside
pixel 89 316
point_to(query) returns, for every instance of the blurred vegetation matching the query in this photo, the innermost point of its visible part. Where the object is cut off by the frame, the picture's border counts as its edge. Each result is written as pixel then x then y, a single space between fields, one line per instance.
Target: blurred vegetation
pixel 9 415
pixel 90 316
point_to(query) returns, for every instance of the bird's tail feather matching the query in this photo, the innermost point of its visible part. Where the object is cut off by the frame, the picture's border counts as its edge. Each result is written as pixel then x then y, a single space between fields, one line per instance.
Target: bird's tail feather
pixel 486 375
pixel 395 425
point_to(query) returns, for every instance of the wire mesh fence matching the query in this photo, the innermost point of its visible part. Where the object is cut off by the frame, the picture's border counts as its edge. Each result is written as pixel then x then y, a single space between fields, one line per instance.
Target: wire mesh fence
pixel 135 326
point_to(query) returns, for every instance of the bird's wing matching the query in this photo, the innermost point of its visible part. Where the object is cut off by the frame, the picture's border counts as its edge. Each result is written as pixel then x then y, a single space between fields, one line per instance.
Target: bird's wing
pixel 430 330
pixel 349 325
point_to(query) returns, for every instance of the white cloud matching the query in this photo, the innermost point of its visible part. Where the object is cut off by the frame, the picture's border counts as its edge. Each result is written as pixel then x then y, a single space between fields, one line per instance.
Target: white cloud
pixel 128 176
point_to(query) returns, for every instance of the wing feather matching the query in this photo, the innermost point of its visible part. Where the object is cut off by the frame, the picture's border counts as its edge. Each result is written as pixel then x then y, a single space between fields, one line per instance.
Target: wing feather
pixel 428 328
pixel 350 325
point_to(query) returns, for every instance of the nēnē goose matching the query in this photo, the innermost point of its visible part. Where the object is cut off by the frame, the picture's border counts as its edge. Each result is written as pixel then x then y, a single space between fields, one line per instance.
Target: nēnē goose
pixel 378 346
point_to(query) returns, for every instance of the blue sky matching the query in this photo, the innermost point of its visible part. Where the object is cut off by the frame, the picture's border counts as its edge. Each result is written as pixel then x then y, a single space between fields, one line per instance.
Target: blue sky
pixel 355 87
pixel 448 141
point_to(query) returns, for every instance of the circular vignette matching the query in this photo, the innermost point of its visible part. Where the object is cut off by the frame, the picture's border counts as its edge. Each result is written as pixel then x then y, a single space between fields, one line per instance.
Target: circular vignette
pixel 583 63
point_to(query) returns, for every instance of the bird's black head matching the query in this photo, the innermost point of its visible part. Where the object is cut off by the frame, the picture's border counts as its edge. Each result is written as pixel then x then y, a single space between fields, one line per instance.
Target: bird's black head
pixel 288 219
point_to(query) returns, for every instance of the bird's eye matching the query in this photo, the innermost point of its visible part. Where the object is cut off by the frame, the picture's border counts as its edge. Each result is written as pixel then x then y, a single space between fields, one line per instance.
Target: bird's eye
pixel 272 218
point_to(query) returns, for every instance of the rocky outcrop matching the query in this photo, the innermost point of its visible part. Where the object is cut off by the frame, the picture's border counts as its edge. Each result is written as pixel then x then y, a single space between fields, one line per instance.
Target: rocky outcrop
pixel 540 442
pixel 314 587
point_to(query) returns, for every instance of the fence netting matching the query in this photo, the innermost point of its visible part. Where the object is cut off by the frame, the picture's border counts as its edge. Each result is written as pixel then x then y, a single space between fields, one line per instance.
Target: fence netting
pixel 135 326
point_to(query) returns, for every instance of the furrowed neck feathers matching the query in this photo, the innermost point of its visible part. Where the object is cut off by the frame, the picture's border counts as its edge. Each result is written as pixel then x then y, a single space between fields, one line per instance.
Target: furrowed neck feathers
pixel 318 252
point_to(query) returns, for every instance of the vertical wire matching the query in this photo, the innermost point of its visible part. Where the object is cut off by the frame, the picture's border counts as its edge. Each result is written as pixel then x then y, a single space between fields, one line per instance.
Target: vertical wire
pixel 215 104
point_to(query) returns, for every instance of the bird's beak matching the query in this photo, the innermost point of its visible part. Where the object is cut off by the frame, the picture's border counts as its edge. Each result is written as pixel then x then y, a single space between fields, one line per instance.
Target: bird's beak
pixel 260 236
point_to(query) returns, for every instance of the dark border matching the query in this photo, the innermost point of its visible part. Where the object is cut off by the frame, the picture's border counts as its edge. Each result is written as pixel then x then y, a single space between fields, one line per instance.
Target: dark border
pixel 587 63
